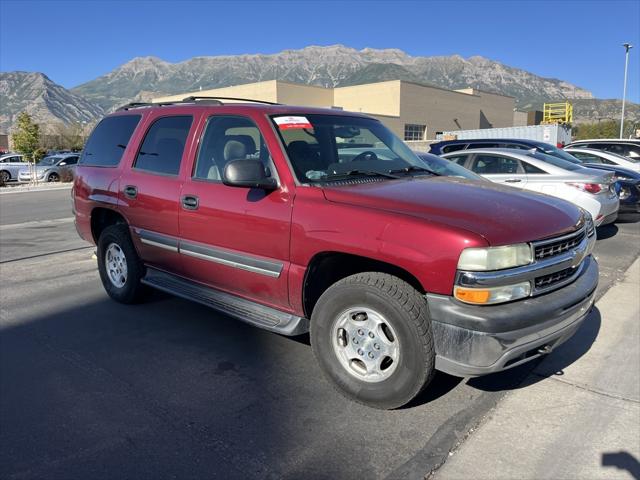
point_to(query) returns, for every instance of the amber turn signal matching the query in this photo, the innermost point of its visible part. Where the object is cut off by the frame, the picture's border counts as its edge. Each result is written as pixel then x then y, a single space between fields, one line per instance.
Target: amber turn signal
pixel 472 295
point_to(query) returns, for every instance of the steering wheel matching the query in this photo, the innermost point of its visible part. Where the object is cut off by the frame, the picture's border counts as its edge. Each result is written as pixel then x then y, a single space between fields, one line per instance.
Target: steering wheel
pixel 365 156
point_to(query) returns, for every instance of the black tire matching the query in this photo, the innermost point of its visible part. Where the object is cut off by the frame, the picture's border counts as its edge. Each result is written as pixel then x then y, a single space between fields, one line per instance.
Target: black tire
pixel 53 177
pixel 405 309
pixel 4 176
pixel 133 290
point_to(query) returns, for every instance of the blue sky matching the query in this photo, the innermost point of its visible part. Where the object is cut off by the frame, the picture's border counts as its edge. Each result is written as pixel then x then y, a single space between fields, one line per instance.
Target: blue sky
pixel 577 41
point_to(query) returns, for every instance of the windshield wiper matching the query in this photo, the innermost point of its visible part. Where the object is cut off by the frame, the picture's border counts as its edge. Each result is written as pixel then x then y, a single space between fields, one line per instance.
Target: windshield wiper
pixel 370 173
pixel 413 168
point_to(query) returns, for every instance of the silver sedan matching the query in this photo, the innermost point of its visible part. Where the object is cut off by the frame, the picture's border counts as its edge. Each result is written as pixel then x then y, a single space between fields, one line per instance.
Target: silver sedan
pixel 588 188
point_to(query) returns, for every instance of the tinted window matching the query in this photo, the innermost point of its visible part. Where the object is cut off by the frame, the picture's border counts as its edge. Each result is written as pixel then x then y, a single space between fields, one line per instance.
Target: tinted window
pixel 587 157
pixel 453 148
pixel 161 151
pixel 228 138
pixel 483 145
pixel 531 169
pixel 518 146
pixel 71 160
pixel 492 164
pixel 109 140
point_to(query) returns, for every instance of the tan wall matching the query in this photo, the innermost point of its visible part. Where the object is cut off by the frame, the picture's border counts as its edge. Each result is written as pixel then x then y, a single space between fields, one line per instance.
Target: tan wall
pixel 381 98
pixel 497 109
pixel 306 95
pixel 438 109
pixel 520 119
pixel 267 91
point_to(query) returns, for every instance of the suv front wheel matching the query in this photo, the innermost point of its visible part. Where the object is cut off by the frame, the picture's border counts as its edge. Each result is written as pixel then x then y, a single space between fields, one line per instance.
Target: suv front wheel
pixel 119 265
pixel 371 335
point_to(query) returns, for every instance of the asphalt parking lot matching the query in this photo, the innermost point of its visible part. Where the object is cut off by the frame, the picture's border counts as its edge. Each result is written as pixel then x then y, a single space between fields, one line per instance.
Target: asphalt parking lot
pixel 169 389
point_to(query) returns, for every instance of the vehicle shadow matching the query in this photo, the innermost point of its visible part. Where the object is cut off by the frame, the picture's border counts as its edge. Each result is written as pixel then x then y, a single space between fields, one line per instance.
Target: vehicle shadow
pixel 546 366
pixel 606 231
pixel 628 218
pixel 622 461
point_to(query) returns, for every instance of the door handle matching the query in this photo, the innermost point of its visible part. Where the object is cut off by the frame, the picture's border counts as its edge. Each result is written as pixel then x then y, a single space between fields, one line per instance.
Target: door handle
pixel 512 180
pixel 190 202
pixel 131 191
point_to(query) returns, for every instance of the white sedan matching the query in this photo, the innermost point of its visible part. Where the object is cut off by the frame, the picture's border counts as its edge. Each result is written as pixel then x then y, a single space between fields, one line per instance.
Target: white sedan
pixel 593 156
pixel 588 188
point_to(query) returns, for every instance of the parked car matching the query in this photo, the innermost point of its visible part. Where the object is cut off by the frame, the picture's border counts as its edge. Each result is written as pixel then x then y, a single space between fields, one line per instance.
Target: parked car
pixel 259 211
pixel 51 169
pixel 441 166
pixel 627 186
pixel 625 147
pixel 448 146
pixel 591 189
pixel 10 165
pixel 591 156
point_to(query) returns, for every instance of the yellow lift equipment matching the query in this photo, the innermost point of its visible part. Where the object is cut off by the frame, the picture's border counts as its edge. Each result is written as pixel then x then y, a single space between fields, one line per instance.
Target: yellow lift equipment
pixel 557 113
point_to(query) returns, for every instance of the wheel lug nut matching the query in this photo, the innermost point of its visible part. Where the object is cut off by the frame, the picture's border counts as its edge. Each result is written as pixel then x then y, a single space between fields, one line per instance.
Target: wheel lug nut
pixel 355 340
pixel 376 346
pixel 371 335
pixel 360 331
pixel 370 355
pixel 360 352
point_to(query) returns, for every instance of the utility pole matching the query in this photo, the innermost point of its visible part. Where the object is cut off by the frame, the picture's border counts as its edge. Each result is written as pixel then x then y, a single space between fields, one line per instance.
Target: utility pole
pixel 627 47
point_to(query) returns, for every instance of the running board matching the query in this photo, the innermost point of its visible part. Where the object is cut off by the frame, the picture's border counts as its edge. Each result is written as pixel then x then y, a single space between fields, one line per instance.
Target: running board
pixel 250 312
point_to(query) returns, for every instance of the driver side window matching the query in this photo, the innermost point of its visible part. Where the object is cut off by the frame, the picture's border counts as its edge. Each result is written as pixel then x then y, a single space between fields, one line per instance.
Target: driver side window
pixel 227 138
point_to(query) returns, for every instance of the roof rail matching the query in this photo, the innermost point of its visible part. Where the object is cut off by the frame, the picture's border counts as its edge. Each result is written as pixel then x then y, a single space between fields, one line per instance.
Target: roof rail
pixel 195 98
pixel 192 99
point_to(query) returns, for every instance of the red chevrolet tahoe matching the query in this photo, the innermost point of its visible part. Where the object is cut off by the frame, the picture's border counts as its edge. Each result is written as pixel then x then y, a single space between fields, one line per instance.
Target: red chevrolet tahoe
pixel 299 219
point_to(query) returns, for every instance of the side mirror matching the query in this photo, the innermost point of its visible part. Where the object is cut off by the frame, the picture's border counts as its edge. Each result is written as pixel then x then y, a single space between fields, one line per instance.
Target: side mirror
pixel 249 174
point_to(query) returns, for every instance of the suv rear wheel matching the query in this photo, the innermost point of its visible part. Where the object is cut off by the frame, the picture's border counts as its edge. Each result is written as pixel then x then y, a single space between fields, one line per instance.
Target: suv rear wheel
pixel 371 335
pixel 119 265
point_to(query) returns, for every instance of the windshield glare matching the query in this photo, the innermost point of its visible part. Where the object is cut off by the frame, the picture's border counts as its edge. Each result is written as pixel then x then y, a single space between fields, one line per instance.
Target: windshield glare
pixel 325 148
pixel 559 153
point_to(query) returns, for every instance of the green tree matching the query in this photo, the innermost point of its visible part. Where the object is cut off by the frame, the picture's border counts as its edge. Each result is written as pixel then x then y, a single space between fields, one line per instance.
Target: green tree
pixel 26 136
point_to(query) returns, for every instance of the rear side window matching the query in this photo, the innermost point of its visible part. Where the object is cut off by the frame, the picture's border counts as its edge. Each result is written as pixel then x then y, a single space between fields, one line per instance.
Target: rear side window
pixel 453 148
pixel 163 145
pixel 528 168
pixel 492 164
pixel 109 140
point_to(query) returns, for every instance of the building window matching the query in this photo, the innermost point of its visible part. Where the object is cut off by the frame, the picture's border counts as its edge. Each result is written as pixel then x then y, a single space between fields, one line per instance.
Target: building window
pixel 414 132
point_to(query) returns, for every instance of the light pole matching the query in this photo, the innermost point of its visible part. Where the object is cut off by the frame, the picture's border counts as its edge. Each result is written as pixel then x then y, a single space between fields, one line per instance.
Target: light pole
pixel 627 47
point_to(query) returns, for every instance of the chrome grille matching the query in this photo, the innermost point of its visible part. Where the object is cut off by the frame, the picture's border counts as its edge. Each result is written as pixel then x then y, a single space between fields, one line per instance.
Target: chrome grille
pixel 549 280
pixel 553 248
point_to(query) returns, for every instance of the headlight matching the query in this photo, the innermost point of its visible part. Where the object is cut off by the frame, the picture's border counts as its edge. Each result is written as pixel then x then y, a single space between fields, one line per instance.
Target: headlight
pixel 495 258
pixel 492 295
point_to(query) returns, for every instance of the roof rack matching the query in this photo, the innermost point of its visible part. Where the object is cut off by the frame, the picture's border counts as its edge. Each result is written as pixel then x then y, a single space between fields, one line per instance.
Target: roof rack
pixel 193 99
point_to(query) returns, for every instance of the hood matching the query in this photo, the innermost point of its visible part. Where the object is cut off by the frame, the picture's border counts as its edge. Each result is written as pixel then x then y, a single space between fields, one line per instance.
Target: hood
pixel 502 215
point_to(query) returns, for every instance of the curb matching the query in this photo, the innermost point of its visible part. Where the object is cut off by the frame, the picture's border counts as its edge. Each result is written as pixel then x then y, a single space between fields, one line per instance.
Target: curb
pixel 44 188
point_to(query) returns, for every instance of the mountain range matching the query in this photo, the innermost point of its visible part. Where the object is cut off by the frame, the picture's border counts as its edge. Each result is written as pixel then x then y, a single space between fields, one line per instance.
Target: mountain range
pixel 145 77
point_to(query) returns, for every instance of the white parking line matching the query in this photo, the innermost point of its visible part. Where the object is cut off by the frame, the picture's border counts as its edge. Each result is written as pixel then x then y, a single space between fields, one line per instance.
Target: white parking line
pixel 47 188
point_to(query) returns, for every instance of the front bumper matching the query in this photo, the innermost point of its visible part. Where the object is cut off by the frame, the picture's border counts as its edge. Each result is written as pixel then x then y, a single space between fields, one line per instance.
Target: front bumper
pixel 476 340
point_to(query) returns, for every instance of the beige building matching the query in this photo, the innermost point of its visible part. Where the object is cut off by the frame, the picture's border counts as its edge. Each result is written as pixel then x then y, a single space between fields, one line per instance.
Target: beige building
pixel 413 111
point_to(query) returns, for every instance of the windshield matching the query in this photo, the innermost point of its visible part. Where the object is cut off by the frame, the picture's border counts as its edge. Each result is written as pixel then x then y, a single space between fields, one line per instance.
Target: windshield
pixel 48 161
pixel 325 148
pixel 447 167
pixel 572 165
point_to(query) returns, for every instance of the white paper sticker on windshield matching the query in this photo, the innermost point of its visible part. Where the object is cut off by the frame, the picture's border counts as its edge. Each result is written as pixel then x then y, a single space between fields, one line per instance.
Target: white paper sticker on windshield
pixel 292 122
